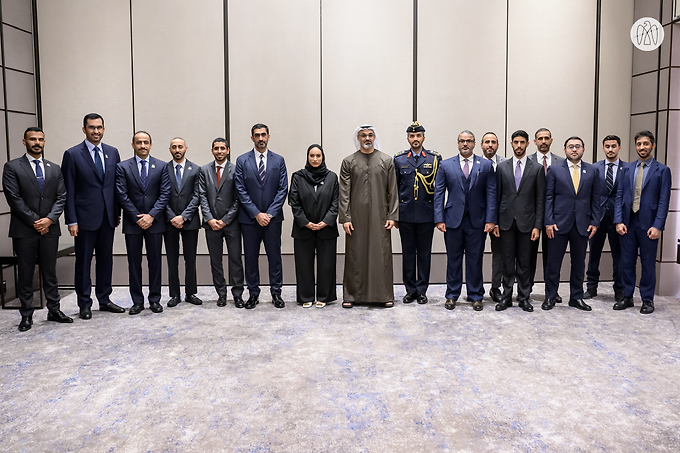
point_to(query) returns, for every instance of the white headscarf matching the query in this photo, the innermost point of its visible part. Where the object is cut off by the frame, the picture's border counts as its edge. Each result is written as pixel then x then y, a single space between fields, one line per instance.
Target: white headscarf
pixel 376 142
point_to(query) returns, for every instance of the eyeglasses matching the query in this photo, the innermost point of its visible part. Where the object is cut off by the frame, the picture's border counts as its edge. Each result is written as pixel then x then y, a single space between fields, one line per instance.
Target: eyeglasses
pixel 574 146
pixel 469 141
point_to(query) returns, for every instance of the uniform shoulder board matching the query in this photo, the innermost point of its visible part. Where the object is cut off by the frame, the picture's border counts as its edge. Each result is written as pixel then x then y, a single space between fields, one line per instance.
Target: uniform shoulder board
pixel 400 153
pixel 435 153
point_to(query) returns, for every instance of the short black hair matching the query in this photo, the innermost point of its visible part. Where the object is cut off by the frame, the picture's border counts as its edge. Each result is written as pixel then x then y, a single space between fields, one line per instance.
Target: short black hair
pixel 574 137
pixel 612 137
pixel 647 134
pixel 92 116
pixel 142 132
pixel 543 129
pixel 219 140
pixel 32 129
pixel 490 133
pixel 520 133
pixel 258 126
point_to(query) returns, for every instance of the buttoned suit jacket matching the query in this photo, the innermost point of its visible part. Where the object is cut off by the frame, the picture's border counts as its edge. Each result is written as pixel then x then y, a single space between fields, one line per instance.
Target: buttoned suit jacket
pixel 87 196
pixel 184 200
pixel 608 200
pixel 314 206
pixel 27 204
pixel 482 199
pixel 525 204
pixel 135 199
pixel 221 203
pixel 258 196
pixel 654 198
pixel 564 207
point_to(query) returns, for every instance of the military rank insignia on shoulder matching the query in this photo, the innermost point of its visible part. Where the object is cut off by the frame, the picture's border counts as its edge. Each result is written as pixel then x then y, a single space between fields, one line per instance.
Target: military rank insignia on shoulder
pixel 401 153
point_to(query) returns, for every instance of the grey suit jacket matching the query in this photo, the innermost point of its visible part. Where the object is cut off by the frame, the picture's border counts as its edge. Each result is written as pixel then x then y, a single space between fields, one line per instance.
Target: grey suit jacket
pixel 184 200
pixel 525 204
pixel 221 203
pixel 27 204
pixel 555 159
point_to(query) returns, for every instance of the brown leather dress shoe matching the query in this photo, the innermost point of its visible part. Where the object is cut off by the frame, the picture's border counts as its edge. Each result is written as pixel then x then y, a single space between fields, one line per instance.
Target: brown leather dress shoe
pixel 477 305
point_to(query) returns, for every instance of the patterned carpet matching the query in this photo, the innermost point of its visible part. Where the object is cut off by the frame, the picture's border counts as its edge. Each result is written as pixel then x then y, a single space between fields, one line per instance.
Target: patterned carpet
pixel 415 378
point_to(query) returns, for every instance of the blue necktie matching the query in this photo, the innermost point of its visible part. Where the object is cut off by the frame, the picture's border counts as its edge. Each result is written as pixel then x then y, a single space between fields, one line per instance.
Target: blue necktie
pixel 98 164
pixel 178 175
pixel 143 174
pixel 39 175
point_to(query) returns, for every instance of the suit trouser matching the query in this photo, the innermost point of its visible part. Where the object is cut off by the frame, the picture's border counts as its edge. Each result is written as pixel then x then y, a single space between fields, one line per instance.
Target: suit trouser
pixel 43 251
pixel 231 234
pixel 636 239
pixel 496 261
pixel 534 256
pixel 88 243
pixel 133 244
pixel 253 236
pixel 469 240
pixel 189 245
pixel 325 268
pixel 607 229
pixel 577 251
pixel 416 252
pixel 516 249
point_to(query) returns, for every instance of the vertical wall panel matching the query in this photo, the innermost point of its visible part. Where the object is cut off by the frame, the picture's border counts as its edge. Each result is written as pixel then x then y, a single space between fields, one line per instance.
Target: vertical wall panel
pixel 551 76
pixel 178 52
pixel 274 78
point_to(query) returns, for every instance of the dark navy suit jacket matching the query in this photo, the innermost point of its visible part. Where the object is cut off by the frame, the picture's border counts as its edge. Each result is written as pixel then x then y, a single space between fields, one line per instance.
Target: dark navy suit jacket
pixel 87 196
pixel 258 196
pixel 608 200
pixel 564 206
pixel 135 200
pixel 482 207
pixel 654 199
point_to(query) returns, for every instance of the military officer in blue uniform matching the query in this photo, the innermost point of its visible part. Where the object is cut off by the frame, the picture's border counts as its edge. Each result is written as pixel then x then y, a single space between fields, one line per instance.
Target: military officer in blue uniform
pixel 416 169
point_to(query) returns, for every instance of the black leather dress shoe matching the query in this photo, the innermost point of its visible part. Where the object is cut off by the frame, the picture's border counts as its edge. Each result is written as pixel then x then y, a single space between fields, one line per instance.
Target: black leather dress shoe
pixel 495 294
pixel 589 294
pixel 238 302
pixel 450 304
pixel 156 307
pixel 409 297
pixel 277 301
pixel 26 323
pixel 526 305
pixel 85 313
pixel 136 309
pixel 59 316
pixel 647 307
pixel 478 305
pixel 174 301
pixel 548 304
pixel 579 304
pixel 250 304
pixel 111 308
pixel 193 300
pixel 558 299
pixel 222 301
pixel 626 302
pixel 500 306
pixel 422 299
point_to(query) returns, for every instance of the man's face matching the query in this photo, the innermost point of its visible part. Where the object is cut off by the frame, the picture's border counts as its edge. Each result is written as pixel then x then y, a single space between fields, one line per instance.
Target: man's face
pixel 416 139
pixel 94 131
pixel 611 150
pixel 34 143
pixel 178 149
pixel 466 143
pixel 220 152
pixel 543 141
pixel 644 148
pixel 574 150
pixel 366 138
pixel 489 145
pixel 142 145
pixel 261 139
pixel 519 146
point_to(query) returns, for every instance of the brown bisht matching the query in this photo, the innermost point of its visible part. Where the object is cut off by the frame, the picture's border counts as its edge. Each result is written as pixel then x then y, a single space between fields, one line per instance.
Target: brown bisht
pixel 368 198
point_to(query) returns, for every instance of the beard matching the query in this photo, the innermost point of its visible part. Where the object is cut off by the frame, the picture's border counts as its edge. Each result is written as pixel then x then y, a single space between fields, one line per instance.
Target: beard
pixel 367 145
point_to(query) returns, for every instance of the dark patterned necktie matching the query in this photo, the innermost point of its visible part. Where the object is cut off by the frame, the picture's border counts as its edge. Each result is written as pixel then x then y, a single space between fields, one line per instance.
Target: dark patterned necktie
pixel 261 168
pixel 39 174
pixel 178 175
pixel 98 164
pixel 545 165
pixel 609 179
pixel 143 174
